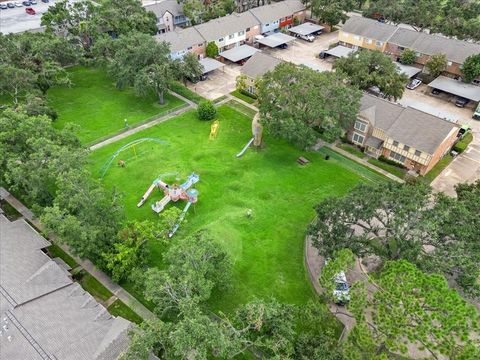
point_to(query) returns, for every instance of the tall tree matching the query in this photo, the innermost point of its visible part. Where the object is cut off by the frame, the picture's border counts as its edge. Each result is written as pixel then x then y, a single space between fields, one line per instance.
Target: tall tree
pixel 188 68
pixel 366 69
pixel 471 68
pixel 412 308
pixel 436 64
pixel 293 101
pixel 330 12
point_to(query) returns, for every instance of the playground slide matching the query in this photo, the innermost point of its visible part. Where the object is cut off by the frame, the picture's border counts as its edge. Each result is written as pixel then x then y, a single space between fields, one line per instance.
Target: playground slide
pixel 180 219
pixel 146 195
pixel 246 147
pixel 159 205
pixel 192 179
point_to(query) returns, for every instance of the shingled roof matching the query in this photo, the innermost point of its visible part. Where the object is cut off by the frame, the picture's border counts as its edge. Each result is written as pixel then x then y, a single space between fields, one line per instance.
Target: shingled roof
pixel 369 28
pixel 259 64
pixel 275 11
pixel 44 315
pixel 406 125
pixel 160 8
pixel 181 39
pixel 226 25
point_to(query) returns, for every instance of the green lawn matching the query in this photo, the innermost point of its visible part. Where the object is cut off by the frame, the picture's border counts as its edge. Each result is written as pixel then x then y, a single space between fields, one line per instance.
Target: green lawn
pixel 186 92
pixel 118 308
pixel 93 286
pixel 392 169
pixel 267 249
pixel 352 149
pixel 246 98
pixel 56 251
pixel 100 110
pixel 438 168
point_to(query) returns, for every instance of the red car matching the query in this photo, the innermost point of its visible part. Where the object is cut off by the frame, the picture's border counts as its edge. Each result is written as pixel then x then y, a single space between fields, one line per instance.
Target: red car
pixel 30 11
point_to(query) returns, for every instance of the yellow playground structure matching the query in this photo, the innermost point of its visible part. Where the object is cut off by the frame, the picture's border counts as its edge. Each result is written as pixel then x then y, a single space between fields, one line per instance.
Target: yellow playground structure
pixel 214 130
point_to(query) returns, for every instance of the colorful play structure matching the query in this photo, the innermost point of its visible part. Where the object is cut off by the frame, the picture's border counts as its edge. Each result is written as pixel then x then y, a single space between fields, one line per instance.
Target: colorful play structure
pixel 214 130
pixel 173 193
pixel 257 130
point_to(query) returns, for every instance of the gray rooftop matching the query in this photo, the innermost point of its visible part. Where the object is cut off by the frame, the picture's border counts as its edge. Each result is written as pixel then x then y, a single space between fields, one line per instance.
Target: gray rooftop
pixel 259 64
pixel 275 11
pixel 456 87
pixel 340 51
pixel 408 70
pixel 275 40
pixel 161 7
pixel 455 50
pixel 221 27
pixel 210 64
pixel 45 315
pixel 306 29
pixel 369 28
pixel 181 39
pixel 239 53
pixel 406 125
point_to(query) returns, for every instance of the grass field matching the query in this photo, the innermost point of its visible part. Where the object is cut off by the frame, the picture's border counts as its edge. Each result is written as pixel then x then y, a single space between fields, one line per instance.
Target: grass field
pixel 267 249
pixel 118 308
pixel 93 103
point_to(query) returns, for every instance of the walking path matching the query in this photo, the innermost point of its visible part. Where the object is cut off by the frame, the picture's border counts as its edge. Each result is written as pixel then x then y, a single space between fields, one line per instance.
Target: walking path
pixel 87 265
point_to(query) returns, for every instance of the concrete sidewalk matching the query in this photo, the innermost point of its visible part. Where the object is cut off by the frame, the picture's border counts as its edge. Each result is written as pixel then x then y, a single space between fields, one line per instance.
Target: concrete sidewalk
pixel 87 265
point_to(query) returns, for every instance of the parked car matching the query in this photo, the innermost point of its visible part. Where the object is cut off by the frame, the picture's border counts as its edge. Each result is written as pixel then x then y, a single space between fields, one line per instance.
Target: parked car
pixel 3 6
pixel 45 1
pixel 341 294
pixel 476 114
pixel 308 38
pixel 10 5
pixel 26 3
pixel 30 11
pixel 461 102
pixel 436 91
pixel 33 2
pixel 283 46
pixel 464 130
pixel 18 4
pixel 413 84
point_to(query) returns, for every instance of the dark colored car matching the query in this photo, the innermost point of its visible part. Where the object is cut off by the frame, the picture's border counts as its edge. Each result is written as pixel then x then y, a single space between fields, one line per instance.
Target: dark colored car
pixel 45 1
pixel 283 46
pixel 30 11
pixel 10 5
pixel 26 3
pixel 3 6
pixel 461 102
pixel 436 91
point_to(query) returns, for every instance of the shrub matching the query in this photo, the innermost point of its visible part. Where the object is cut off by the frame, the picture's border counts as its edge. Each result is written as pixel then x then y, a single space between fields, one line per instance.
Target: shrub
pixel 211 50
pixel 206 110
pixel 390 162
pixel 408 57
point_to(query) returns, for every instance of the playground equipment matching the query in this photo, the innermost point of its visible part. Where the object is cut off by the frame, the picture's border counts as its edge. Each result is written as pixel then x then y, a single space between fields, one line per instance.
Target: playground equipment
pixel 173 193
pixel 214 130
pixel 257 130
pixel 131 145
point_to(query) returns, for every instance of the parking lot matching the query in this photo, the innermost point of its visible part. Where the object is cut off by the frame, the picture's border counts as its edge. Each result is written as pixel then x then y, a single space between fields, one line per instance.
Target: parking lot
pixel 17 20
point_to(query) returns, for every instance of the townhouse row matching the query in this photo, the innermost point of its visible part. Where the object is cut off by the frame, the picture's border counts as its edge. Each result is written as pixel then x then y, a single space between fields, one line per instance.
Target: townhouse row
pixel 360 32
pixel 233 30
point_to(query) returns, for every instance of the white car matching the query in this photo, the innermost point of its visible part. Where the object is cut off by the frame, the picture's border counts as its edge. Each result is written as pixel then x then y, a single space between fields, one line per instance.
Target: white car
pixel 341 294
pixel 18 4
pixel 412 85
pixel 308 38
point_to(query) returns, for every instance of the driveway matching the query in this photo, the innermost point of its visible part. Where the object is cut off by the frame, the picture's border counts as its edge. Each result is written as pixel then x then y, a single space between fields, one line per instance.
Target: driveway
pixel 466 167
pixel 306 53
pixel 220 82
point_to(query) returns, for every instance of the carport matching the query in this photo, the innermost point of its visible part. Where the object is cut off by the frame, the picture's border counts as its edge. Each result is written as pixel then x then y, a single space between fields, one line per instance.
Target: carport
pixel 275 40
pixel 410 71
pixel 306 29
pixel 239 53
pixel 210 64
pixel 339 51
pixel 455 87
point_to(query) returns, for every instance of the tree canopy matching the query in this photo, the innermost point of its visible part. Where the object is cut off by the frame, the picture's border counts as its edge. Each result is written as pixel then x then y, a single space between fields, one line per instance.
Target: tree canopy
pixel 366 69
pixel 330 12
pixel 295 101
pixel 471 68
pixel 393 221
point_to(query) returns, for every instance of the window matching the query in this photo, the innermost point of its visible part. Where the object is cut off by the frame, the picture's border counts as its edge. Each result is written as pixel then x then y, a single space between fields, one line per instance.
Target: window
pixel 357 138
pixel 378 43
pixel 395 143
pixel 356 37
pixel 240 33
pixel 449 63
pixel 190 48
pixel 397 157
pixel 248 29
pixel 289 17
pixel 220 40
pixel 369 41
pixel 251 89
pixel 231 36
pixel 401 48
pixel 360 126
pixel 200 45
pixel 418 153
pixel 406 147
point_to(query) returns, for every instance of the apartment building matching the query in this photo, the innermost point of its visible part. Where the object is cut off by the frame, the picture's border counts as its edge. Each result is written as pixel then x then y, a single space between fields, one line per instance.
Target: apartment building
pixel 169 15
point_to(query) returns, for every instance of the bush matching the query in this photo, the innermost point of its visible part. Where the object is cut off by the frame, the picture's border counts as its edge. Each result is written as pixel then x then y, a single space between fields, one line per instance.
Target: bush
pixel 408 57
pixel 463 144
pixel 206 110
pixel 211 50
pixel 390 162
